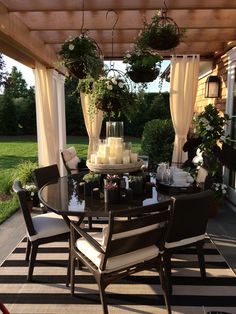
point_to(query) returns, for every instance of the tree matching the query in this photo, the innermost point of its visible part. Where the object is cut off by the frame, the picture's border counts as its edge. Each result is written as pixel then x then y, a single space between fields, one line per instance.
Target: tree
pixel 8 121
pixel 74 115
pixel 3 73
pixel 15 85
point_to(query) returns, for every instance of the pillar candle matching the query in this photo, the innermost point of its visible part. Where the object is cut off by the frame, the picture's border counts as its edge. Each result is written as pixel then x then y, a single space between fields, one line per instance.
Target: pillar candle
pixel 92 158
pixel 134 157
pixel 112 160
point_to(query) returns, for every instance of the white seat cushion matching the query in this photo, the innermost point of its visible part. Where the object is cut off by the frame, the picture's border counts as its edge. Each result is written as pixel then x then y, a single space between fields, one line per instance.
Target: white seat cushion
pixel 117 262
pixel 186 241
pixel 47 225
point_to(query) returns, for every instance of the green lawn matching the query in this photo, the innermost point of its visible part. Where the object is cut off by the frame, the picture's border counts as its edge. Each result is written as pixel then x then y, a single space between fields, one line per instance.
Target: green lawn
pixel 15 150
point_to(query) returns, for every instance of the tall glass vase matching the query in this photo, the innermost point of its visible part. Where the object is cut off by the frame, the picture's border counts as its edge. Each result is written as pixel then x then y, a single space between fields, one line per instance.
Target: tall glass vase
pixel 114 129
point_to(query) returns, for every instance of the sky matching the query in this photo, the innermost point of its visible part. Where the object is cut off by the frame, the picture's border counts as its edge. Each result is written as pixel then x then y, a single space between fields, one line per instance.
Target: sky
pixel 28 74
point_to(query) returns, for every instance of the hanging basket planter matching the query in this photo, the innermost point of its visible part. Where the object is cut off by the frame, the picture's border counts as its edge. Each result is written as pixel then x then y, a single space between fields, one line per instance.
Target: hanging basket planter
pixel 167 38
pixel 143 75
pixel 142 65
pixel 162 33
pixel 82 57
pixel 76 70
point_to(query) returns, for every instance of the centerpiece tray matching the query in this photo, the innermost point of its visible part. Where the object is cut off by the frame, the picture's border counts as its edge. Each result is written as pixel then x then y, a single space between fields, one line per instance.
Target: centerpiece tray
pixel 115 168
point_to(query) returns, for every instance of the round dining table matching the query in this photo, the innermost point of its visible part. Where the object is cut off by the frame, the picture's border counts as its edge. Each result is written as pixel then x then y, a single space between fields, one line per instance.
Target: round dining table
pixel 65 197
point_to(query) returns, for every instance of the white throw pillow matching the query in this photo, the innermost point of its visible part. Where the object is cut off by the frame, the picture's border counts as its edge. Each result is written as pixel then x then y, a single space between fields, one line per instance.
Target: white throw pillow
pixel 69 153
pixel 73 163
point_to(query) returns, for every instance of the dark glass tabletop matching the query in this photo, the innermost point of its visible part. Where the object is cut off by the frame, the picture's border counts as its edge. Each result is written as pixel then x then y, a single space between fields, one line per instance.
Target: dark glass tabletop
pixel 64 196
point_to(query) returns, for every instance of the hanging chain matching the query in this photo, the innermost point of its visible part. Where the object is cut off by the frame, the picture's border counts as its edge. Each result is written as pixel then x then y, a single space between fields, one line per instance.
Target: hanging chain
pixel 113 28
pixel 82 25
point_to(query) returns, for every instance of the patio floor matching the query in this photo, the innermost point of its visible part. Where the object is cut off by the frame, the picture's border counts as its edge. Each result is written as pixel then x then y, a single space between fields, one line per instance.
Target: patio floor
pixel 221 229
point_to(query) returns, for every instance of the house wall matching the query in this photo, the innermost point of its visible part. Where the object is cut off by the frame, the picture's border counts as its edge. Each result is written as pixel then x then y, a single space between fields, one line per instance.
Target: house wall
pixel 219 68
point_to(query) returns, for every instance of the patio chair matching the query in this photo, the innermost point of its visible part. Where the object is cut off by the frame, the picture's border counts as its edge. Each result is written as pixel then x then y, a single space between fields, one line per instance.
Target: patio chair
pixel 133 241
pixel 41 229
pixel 187 227
pixel 44 175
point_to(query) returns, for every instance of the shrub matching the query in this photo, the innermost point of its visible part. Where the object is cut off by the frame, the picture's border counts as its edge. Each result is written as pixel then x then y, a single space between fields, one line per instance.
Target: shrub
pixel 157 141
pixel 24 172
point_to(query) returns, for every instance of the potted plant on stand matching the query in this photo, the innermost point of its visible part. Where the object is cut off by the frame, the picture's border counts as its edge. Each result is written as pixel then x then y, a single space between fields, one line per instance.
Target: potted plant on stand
pixel 82 57
pixel 162 33
pixel 142 65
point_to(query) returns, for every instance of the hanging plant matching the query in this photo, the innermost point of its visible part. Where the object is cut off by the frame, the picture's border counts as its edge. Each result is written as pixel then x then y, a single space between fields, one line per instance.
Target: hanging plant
pixel 111 94
pixel 162 33
pixel 82 57
pixel 142 66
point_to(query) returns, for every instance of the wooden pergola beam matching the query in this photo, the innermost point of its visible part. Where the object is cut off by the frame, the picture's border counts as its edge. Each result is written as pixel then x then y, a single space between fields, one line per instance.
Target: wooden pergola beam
pixel 18 42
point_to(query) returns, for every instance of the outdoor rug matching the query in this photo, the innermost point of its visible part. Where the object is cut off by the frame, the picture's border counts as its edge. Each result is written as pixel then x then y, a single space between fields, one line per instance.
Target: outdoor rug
pixel 139 293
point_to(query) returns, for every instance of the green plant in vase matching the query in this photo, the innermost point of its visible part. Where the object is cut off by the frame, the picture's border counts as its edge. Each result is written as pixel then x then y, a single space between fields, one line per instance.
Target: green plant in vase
pixel 91 180
pixel 136 184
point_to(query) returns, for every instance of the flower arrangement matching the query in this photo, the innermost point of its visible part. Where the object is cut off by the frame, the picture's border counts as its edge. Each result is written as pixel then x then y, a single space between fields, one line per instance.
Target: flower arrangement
pixel 82 57
pixel 142 66
pixel 110 185
pixel 112 182
pixel 220 190
pixel 31 189
pixel 162 33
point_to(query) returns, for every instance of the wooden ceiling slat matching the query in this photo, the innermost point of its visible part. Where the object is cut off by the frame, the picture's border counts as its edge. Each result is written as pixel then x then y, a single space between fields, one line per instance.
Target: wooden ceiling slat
pixel 127 19
pixel 62 5
pixel 210 24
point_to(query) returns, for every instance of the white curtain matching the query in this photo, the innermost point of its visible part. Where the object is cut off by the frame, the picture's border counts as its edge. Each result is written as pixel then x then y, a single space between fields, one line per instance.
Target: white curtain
pixel 50 112
pixel 183 89
pixel 93 126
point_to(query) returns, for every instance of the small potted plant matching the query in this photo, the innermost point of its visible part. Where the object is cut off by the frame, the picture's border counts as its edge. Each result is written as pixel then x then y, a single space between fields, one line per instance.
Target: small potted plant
pixel 32 196
pixel 136 184
pixel 91 180
pixel 82 57
pixel 142 65
pixel 162 33
pixel 111 191
pixel 220 191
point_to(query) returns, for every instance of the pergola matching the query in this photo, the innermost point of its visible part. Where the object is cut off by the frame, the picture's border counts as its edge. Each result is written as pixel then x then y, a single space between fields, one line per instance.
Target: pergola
pixel 33 31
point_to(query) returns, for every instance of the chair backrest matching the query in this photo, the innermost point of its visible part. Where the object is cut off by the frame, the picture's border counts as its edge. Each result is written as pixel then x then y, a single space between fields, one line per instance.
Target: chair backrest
pixel 46 174
pixel 22 197
pixel 69 171
pixel 136 229
pixel 189 217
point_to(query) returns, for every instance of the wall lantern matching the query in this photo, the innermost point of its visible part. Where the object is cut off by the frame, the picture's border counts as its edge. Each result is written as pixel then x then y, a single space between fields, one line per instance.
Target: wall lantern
pixel 212 87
